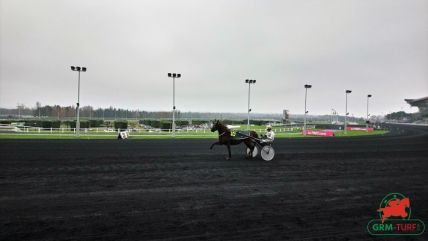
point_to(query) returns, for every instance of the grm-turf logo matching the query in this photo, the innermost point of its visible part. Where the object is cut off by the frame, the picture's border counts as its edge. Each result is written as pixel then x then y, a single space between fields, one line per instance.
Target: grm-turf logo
pixel 394 217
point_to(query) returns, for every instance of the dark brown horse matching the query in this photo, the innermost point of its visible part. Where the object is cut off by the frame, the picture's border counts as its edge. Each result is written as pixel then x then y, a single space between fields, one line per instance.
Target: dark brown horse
pixel 225 138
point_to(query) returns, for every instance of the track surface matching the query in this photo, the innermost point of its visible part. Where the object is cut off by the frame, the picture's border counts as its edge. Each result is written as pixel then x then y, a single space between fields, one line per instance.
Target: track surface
pixel 316 188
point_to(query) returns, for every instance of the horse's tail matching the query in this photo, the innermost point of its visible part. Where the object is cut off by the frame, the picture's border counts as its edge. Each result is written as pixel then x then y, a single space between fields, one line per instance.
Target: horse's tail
pixel 254 134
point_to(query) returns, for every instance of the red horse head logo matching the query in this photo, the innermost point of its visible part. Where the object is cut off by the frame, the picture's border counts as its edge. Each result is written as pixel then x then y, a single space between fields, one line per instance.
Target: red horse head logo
pixel 395 208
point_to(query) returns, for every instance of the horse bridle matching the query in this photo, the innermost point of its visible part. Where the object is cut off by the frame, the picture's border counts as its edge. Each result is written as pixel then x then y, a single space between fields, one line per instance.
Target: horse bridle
pixel 223 132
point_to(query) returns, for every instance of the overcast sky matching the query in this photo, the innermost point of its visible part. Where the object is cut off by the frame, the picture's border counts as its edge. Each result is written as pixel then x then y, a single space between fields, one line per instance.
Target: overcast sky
pixel 377 47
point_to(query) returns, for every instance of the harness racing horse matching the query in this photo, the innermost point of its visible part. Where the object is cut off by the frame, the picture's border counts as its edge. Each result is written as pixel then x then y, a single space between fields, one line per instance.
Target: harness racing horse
pixel 225 137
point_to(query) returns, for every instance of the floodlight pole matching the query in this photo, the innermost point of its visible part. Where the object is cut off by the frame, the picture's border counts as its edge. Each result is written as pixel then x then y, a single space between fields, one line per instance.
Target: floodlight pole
pixel 367 121
pixel 248 106
pixel 78 106
pixel 173 76
pixel 249 82
pixel 346 109
pixel 304 119
pixel 78 69
pixel 173 106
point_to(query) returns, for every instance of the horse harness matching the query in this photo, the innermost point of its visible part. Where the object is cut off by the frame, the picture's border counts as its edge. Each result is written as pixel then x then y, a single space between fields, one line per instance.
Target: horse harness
pixel 232 133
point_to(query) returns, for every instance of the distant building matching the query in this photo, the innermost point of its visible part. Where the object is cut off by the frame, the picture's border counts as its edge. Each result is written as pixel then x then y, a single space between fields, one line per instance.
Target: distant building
pixel 421 103
pixel 285 117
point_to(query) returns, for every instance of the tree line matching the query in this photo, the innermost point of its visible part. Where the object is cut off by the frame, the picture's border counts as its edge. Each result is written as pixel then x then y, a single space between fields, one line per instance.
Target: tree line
pixel 112 113
pixel 86 112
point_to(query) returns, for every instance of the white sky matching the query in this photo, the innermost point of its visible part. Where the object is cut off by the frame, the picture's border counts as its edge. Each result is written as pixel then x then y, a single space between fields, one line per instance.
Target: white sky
pixel 369 46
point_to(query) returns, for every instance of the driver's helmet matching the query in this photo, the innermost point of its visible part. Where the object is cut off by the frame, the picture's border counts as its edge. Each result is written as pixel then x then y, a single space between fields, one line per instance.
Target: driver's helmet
pixel 269 127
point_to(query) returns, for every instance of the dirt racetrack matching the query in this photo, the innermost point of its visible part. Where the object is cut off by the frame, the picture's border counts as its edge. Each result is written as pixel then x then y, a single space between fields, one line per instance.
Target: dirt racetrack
pixel 314 189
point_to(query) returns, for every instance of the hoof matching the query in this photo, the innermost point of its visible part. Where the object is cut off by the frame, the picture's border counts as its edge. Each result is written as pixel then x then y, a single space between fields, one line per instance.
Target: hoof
pixel 227 158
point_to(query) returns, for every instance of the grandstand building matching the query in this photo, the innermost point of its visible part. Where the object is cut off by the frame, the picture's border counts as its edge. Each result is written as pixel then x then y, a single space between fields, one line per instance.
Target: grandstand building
pixel 421 103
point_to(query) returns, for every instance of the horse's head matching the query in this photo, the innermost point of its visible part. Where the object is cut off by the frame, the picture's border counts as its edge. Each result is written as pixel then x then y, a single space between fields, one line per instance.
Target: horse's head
pixel 215 126
pixel 405 202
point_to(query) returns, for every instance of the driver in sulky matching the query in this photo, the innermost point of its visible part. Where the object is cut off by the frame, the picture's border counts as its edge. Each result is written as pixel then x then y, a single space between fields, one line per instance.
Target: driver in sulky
pixel 270 135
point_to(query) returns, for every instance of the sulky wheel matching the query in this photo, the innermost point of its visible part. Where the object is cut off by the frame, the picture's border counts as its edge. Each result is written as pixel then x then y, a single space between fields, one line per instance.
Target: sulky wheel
pixel 255 151
pixel 267 153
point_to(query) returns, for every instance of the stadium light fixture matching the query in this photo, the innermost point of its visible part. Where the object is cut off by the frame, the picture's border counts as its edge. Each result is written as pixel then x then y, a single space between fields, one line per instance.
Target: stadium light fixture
pixel 304 120
pixel 249 82
pixel 346 109
pixel 367 121
pixel 78 69
pixel 173 76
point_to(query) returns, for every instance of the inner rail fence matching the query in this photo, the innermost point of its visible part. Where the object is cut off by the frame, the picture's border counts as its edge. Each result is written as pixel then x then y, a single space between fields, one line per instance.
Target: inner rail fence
pixel 131 131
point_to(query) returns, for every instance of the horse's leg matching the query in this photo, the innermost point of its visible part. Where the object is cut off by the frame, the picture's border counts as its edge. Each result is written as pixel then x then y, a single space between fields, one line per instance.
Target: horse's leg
pixel 215 143
pixel 247 154
pixel 250 146
pixel 228 149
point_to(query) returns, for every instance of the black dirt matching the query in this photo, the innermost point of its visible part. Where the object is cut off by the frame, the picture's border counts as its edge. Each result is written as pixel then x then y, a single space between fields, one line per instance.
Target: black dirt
pixel 314 189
